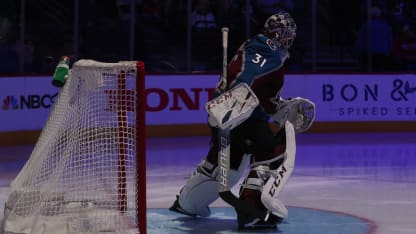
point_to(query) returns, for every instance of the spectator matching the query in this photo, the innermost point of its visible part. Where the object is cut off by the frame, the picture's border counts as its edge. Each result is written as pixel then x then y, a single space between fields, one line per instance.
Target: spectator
pixel 123 8
pixel 232 14
pixel 264 8
pixel 270 6
pixel 404 48
pixel 203 16
pixel 205 43
pixel 341 38
pixel 9 56
pixel 374 43
pixel 9 59
pixel 398 17
pixel 5 26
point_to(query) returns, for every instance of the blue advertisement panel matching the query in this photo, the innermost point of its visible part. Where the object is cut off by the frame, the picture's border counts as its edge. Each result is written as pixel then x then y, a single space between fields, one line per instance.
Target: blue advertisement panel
pixel 180 99
pixel 381 97
pixel 25 102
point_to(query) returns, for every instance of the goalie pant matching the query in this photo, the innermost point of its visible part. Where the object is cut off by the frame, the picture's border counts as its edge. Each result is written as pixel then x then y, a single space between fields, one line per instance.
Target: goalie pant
pixel 267 176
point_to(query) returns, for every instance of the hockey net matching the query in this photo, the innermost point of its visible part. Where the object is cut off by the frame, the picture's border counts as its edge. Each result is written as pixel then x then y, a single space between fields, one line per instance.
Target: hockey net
pixel 86 173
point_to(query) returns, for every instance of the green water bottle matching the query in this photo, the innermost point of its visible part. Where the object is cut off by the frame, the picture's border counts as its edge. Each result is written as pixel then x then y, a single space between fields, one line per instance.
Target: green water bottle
pixel 61 72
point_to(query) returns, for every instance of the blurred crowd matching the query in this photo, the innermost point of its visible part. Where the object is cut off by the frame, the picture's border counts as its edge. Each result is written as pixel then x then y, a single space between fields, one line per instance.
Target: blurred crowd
pixel 184 35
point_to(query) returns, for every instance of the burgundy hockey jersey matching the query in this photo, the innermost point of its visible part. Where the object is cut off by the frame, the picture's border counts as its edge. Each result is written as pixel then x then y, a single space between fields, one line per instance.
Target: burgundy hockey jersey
pixel 259 63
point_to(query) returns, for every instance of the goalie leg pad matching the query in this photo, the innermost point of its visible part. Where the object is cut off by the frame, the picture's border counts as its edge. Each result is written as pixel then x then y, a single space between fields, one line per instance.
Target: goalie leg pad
pixel 275 183
pixel 265 181
pixel 201 189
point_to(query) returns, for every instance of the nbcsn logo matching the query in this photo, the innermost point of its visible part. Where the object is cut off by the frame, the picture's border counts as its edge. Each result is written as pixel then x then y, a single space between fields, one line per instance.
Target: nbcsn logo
pixel 10 103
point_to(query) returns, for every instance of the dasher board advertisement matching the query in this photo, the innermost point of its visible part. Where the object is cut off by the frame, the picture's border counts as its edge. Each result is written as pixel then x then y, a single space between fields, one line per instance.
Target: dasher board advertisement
pixel 180 99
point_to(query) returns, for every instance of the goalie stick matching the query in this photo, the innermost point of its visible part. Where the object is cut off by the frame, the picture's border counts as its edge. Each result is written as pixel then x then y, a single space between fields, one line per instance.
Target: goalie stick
pixel 223 178
pixel 224 151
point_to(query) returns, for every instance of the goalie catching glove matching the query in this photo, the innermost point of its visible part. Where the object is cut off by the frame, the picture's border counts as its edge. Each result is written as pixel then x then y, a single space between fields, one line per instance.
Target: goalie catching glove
pixel 299 111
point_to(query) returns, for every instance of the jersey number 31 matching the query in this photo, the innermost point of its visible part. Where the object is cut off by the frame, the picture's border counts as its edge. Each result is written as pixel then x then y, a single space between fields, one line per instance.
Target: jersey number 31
pixel 259 59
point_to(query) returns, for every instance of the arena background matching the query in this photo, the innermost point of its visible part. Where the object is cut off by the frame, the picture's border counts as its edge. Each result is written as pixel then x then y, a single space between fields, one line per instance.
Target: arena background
pixel 182 38
pixel 356 59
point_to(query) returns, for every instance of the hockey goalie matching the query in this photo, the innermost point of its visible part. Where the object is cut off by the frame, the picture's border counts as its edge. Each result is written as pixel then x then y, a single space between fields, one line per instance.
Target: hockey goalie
pixel 247 100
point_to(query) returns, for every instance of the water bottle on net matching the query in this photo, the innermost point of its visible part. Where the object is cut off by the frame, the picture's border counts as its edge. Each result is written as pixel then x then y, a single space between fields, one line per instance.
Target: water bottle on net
pixel 61 72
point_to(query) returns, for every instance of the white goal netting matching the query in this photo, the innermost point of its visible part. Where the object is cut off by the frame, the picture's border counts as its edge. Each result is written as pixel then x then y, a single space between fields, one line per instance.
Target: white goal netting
pixel 82 174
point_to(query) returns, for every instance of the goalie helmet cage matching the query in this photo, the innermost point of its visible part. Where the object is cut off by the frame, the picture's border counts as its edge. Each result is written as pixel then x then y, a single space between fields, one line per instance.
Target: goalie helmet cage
pixel 87 171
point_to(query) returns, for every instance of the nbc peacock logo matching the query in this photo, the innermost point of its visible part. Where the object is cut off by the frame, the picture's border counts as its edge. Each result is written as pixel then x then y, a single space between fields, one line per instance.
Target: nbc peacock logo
pixel 10 103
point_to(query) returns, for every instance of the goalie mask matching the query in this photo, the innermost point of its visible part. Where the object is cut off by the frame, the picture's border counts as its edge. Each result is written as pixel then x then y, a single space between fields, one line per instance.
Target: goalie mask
pixel 281 28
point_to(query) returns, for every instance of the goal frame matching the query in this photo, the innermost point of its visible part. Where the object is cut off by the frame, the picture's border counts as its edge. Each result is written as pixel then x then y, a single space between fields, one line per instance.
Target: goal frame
pixel 141 198
pixel 38 202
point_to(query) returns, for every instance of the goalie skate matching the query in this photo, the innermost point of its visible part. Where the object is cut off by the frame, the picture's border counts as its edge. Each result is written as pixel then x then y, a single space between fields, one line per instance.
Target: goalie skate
pixel 177 208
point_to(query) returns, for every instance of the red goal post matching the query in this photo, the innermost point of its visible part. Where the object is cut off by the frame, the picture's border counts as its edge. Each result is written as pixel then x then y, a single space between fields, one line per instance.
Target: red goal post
pixel 87 172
